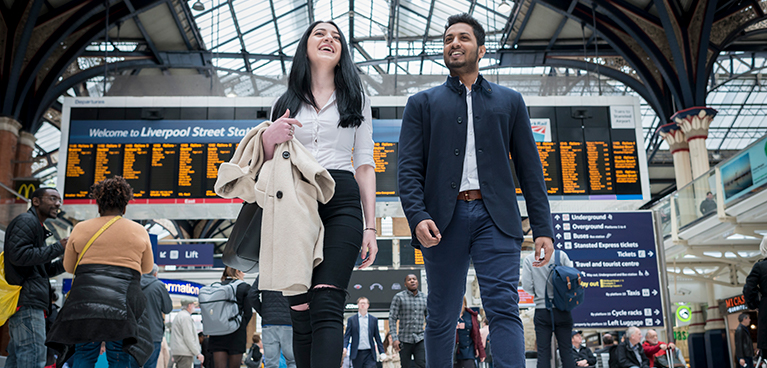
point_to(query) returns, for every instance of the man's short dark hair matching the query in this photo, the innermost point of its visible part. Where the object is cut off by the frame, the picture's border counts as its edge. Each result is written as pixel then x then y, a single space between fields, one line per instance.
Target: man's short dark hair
pixel 479 31
pixel 410 274
pixel 607 339
pixel 707 193
pixel 40 192
pixel 742 316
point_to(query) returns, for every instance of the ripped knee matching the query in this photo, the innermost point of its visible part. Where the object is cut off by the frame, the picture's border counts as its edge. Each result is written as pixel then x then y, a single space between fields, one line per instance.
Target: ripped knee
pixel 325 286
pixel 300 307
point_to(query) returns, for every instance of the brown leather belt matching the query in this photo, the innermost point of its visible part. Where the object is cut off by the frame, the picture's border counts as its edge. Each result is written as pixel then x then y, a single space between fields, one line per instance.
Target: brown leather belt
pixel 469 195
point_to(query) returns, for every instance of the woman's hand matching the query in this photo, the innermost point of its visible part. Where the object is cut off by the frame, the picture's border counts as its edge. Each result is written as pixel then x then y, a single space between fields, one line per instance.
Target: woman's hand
pixel 369 248
pixel 280 131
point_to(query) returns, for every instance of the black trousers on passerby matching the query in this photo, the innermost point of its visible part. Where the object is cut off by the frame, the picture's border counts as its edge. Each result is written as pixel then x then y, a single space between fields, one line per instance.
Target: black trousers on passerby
pixel 412 355
pixel 562 329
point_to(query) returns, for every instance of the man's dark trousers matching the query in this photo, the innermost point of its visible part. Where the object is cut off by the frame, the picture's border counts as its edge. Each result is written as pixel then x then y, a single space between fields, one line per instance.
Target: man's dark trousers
pixel 473 235
pixel 364 359
pixel 412 355
pixel 563 327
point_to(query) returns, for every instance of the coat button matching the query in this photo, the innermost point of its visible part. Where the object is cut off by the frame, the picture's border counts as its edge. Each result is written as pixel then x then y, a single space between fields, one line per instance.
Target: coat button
pixel 479 150
pixel 279 194
pixel 452 185
pixel 285 154
pixel 460 92
pixel 457 152
pixel 460 120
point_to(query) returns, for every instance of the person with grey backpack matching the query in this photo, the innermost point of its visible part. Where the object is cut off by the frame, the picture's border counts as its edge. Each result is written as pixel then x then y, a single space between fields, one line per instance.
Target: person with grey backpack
pixel 225 315
pixel 534 281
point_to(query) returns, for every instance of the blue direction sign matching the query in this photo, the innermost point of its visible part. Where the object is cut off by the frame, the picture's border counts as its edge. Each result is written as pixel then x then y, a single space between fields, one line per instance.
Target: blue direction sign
pixel 193 254
pixel 617 253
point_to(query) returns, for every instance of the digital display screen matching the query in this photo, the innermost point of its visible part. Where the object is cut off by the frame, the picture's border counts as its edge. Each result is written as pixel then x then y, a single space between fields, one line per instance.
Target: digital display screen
pixel 191 157
pixel 162 173
pixel 136 167
pixel 218 153
pixel 79 170
pixel 385 155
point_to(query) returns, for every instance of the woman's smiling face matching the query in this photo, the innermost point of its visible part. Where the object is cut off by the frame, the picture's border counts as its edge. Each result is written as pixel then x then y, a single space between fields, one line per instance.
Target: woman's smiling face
pixel 324 45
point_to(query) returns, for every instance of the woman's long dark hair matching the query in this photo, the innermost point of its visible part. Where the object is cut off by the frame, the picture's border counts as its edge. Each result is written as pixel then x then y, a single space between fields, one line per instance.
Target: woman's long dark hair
pixel 347 81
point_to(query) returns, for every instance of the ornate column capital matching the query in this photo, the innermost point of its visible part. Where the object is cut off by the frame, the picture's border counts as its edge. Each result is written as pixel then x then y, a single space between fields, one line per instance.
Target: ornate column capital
pixel 695 121
pixel 675 137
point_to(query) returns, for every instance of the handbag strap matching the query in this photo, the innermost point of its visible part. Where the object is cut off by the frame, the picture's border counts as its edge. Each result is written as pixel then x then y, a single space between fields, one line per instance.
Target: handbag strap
pixel 93 238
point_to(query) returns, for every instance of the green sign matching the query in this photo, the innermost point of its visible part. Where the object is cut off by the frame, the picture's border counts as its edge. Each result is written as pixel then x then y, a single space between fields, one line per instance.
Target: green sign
pixel 684 313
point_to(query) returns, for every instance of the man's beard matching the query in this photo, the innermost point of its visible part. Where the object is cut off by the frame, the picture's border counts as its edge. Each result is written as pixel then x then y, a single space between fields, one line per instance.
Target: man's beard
pixel 469 59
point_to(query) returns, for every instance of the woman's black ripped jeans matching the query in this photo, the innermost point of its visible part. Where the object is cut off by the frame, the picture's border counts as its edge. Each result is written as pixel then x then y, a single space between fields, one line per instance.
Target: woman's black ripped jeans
pixel 318 331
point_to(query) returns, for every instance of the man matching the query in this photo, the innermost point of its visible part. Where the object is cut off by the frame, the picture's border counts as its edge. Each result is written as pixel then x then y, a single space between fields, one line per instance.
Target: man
pixel 610 345
pixel 708 205
pixel 184 343
pixel 582 355
pixel 408 307
pixel 630 352
pixel 157 303
pixel 362 330
pixel 28 262
pixel 458 193
pixel 535 281
pixel 744 346
pixel 653 347
pixel 276 325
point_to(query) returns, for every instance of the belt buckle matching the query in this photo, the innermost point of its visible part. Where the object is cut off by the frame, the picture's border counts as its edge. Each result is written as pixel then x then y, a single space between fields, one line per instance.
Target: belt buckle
pixel 466 197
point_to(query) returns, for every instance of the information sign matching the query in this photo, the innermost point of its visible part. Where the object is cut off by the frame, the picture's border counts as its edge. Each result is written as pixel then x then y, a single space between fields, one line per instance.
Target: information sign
pixel 617 254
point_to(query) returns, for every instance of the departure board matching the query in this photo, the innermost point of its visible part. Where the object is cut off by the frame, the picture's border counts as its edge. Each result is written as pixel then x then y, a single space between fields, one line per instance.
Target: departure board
pixel 218 153
pixel 551 168
pixel 385 155
pixel 79 172
pixel 626 166
pixel 190 169
pixel 599 167
pixel 136 167
pixel 108 161
pixel 572 164
pixel 163 170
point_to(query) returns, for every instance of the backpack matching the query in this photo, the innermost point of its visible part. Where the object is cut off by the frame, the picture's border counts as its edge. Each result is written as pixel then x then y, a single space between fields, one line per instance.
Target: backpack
pixel 218 305
pixel 9 294
pixel 566 281
pixel 253 359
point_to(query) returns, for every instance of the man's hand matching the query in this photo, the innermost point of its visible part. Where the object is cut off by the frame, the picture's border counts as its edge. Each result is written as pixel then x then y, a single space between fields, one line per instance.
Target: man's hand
pixel 582 363
pixel 397 348
pixel 742 362
pixel 460 326
pixel 424 231
pixel 63 242
pixel 671 345
pixel 545 244
pixel 663 346
pixel 200 357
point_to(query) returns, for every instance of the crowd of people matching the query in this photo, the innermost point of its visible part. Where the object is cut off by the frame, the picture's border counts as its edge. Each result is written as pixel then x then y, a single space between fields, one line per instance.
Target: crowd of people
pixel 456 188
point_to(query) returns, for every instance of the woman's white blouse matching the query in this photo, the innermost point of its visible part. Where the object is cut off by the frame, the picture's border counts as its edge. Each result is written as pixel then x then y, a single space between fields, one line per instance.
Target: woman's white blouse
pixel 335 147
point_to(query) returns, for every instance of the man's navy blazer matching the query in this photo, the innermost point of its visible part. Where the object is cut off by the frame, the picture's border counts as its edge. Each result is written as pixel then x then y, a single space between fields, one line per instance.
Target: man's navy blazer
pixel 353 332
pixel 432 145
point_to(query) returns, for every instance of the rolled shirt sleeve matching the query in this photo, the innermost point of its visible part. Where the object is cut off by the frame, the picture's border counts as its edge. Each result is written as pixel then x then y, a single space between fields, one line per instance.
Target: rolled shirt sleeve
pixel 363 138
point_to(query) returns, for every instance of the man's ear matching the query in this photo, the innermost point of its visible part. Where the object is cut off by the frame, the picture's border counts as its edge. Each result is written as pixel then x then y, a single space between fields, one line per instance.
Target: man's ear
pixel 481 52
pixel 36 202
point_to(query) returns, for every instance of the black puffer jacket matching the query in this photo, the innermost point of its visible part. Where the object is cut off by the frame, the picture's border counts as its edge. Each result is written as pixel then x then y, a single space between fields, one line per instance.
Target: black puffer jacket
pixel 28 260
pixel 272 306
pixel 105 304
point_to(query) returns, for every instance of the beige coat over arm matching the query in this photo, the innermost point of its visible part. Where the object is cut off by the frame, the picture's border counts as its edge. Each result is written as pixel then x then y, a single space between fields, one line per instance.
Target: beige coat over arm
pixel 289 188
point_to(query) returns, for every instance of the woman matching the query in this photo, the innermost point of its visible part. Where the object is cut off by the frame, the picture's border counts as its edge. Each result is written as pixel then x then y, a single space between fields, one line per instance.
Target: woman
pixel 468 339
pixel 326 110
pixel 391 358
pixel 228 349
pixel 106 302
pixel 754 291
